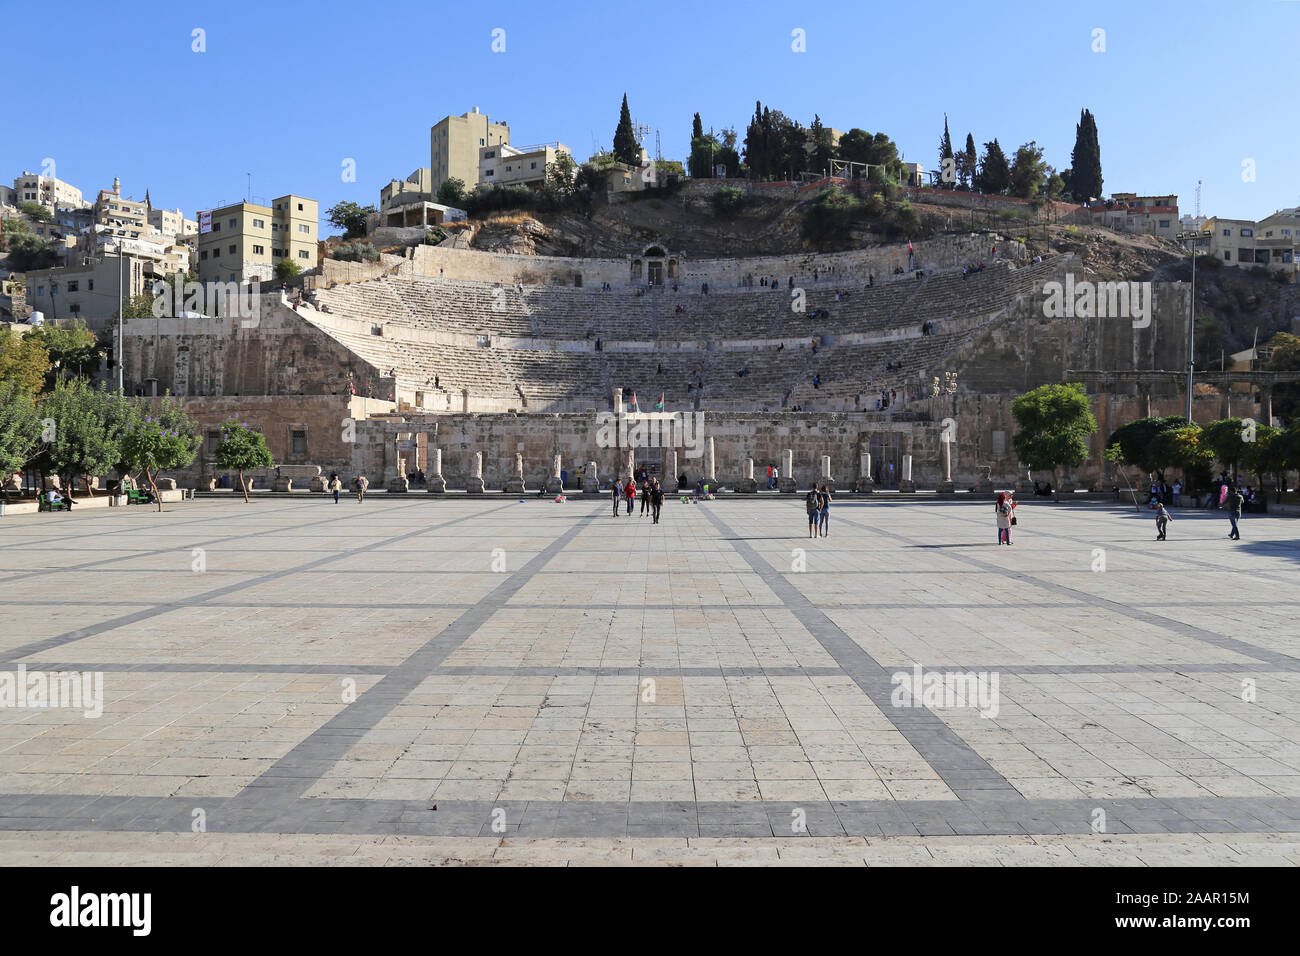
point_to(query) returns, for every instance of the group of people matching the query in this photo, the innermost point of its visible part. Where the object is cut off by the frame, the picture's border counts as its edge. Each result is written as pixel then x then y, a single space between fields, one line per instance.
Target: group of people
pixel 650 491
pixel 359 485
pixel 818 503
pixel 1004 510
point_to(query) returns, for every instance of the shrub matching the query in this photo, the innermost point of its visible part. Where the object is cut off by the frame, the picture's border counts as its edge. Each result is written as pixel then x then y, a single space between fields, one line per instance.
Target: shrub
pixel 357 252
pixel 728 200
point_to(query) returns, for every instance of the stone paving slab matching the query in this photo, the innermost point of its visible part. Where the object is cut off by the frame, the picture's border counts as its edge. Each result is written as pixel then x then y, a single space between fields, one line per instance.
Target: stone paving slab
pixel 571 688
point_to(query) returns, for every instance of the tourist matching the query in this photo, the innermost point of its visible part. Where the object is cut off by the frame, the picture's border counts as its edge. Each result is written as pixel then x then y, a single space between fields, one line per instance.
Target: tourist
pixel 335 486
pixel 1004 509
pixel 812 501
pixel 1234 503
pixel 656 499
pixel 646 494
pixel 1178 493
pixel 617 493
pixel 775 480
pixel 824 507
pixel 359 484
pixel 629 493
pixel 1162 522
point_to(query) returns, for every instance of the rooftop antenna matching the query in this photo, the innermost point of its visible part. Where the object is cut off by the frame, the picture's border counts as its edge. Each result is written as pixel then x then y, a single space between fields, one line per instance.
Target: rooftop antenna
pixel 250 187
pixel 1198 203
pixel 659 152
pixel 639 130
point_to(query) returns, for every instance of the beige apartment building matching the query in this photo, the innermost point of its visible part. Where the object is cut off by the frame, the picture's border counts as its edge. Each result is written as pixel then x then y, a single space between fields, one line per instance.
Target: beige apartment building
pixel 506 165
pixel 244 241
pixel 1232 241
pixel 48 191
pixel 119 215
pixel 171 223
pixel 454 145
pixel 1278 235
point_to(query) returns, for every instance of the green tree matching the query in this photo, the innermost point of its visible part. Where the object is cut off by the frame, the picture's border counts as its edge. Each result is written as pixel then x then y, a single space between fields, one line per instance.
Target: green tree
pixel 242 449
pixel 88 427
pixel 164 439
pixel 20 427
pixel 138 307
pixel 1054 424
pixel 947 160
pixel 28 252
pixel 1269 455
pixel 286 270
pixel 34 210
pixel 1138 445
pixel 1285 357
pixel 1184 447
pixel 829 219
pixel 994 174
pixel 1085 180
pixel 350 217
pixel 728 200
pixel 821 149
pixel 967 164
pixel 72 350
pixel 626 149
pixel 452 192
pixel 357 252
pixel 697 127
pixel 561 177
pixel 1028 172
pixel 23 359
pixel 1226 439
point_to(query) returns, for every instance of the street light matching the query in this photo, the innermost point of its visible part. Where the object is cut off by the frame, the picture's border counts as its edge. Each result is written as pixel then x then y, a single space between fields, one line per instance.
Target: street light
pixel 1194 237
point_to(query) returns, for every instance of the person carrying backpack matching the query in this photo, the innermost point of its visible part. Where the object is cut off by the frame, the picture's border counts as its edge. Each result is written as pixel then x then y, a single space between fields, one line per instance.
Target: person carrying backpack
pixel 359 484
pixel 824 510
pixel 812 501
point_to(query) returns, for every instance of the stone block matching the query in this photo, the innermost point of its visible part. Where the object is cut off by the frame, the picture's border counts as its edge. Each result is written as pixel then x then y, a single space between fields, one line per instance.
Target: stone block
pixel 437 485
pixel 398 486
pixel 474 486
pixel 785 485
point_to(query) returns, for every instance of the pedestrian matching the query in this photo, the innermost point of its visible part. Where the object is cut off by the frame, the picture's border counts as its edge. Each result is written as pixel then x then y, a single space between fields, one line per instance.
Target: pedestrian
pixel 1162 522
pixel 656 499
pixel 359 484
pixel 335 486
pixel 617 493
pixel 1234 504
pixel 646 493
pixel 629 492
pixel 1003 511
pixel 1178 493
pixel 824 506
pixel 812 501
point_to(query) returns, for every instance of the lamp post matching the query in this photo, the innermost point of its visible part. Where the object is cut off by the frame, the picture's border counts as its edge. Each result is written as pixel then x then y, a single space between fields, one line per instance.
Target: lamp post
pixel 1193 238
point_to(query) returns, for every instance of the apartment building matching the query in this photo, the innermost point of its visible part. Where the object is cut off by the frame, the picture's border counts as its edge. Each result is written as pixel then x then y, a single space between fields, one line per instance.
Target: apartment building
pixel 1278 236
pixel 171 223
pixel 245 241
pixel 48 191
pixel 1232 241
pixel 118 214
pixel 454 144
pixel 506 165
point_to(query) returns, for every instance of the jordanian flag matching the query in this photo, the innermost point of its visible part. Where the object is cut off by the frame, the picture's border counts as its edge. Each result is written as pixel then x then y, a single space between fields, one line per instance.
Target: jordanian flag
pixel 660 406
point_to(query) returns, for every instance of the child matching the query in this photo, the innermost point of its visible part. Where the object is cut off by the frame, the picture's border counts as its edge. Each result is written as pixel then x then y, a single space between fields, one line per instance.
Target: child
pixel 1162 522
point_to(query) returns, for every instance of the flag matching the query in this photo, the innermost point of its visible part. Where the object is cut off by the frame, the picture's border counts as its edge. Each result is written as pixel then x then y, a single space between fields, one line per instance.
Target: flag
pixel 660 406
pixel 909 245
pixel 633 403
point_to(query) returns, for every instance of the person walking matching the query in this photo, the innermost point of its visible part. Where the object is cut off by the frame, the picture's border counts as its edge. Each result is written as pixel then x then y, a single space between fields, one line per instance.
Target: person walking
pixel 646 494
pixel 1002 509
pixel 629 492
pixel 656 499
pixel 812 501
pixel 360 483
pixel 335 486
pixel 616 489
pixel 1162 522
pixel 1178 493
pixel 1233 505
pixel 824 507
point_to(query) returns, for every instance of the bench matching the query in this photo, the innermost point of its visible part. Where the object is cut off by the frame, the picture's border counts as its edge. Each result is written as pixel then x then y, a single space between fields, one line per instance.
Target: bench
pixel 136 496
pixel 45 505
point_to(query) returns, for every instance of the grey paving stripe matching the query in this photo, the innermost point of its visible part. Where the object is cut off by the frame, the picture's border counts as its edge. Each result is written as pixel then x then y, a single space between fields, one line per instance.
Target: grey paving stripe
pixel 295 772
pixel 942 748
pixel 37 647
pixel 142 667
pixel 1273 658
pixel 597 819
pixel 755 671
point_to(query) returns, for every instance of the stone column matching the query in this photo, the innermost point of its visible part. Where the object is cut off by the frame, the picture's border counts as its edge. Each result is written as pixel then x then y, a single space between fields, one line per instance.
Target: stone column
pixel 710 464
pixel 1266 405
pixel 554 486
pixel 906 484
pixel 785 484
pixel 865 485
pixel 672 474
pixel 591 480
pixel 618 401
pixel 515 485
pixel 437 483
pixel 827 480
pixel 475 484
pixel 630 470
pixel 747 484
pixel 945 486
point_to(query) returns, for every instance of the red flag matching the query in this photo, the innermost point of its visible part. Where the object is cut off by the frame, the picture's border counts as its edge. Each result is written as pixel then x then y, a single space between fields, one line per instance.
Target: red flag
pixel 909 245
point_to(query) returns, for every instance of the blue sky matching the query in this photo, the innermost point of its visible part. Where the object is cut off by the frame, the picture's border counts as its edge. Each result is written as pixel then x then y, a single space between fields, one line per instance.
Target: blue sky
pixel 289 91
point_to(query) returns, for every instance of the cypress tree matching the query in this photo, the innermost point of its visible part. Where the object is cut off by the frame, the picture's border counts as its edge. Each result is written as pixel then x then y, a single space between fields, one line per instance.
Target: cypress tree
pixel 994 174
pixel 946 158
pixel 625 146
pixel 1085 160
pixel 697 128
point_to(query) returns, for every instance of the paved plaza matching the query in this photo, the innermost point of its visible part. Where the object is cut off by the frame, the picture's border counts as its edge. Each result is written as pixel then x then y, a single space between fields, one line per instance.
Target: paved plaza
pixel 294 681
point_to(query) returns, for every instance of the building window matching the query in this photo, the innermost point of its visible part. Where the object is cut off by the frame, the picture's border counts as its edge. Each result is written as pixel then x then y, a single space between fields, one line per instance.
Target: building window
pixel 73 285
pixel 304 229
pixel 216 227
pixel 259 224
pixel 999 443
pixel 303 254
pixel 1227 232
pixel 232 249
pixel 491 154
pixel 300 207
pixel 489 172
pixel 1247 233
pixel 534 166
pixel 203 256
pixel 259 251
pixel 214 441
pixel 234 223
pixel 1227 255
pixel 298 443
pixel 90 285
pixel 1164 223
